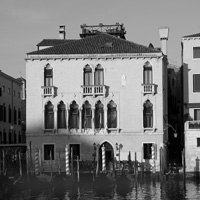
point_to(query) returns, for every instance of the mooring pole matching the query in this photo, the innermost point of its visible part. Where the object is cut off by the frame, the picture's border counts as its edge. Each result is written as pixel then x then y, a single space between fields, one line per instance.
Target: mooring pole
pixel 78 175
pixel 20 164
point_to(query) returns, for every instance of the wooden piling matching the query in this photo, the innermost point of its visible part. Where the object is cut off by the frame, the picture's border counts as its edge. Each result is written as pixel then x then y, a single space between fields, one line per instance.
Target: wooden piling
pixel 20 164
pixel 27 163
pixel 78 175
pixel 51 165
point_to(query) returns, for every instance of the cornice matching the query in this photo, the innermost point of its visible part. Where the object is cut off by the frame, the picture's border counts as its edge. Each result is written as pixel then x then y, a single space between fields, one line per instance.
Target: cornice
pixel 191 38
pixel 95 56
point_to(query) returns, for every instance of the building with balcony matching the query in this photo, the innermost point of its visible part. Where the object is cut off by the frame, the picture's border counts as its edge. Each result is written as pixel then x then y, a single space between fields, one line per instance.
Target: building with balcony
pixel 98 91
pixel 191 95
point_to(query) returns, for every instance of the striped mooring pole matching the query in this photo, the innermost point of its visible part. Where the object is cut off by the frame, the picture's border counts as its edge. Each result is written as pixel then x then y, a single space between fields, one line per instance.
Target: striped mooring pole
pixel 103 159
pixel 153 159
pixel 67 159
pixel 36 162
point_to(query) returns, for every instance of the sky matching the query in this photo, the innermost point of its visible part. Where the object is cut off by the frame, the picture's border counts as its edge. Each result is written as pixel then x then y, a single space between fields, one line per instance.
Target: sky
pixel 24 23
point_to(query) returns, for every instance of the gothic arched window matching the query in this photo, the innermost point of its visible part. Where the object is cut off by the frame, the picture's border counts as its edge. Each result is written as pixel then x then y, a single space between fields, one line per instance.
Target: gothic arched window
pixel 148 115
pixel 87 78
pixel 147 73
pixel 48 75
pixel 86 115
pixel 61 115
pixel 99 75
pixel 112 115
pixel 49 116
pixel 74 116
pixel 99 115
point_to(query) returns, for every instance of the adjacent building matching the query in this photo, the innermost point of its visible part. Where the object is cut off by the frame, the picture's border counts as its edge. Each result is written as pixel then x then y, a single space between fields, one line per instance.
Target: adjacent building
pixel 12 122
pixel 99 91
pixel 191 96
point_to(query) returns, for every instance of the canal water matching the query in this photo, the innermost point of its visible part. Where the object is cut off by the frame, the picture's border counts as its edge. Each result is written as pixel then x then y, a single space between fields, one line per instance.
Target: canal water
pixel 146 188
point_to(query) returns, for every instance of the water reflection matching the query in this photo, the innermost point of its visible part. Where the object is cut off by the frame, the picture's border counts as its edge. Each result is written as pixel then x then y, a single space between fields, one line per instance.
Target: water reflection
pixel 145 189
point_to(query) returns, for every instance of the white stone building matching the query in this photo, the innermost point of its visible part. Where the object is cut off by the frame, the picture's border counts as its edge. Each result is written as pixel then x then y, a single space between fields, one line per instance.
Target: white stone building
pixel 101 89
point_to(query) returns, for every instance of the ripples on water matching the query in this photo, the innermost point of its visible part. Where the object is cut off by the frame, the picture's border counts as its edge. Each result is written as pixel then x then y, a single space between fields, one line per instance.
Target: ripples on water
pixel 146 189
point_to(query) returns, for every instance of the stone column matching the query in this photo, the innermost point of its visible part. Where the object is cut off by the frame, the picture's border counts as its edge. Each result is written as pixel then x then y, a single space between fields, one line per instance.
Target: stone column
pixel 105 118
pixel 93 118
pixel 55 119
pixel 80 120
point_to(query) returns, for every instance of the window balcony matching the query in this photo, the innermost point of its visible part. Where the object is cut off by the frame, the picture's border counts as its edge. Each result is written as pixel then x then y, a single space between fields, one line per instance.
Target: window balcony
pixel 148 88
pixel 49 91
pixel 94 90
pixel 194 125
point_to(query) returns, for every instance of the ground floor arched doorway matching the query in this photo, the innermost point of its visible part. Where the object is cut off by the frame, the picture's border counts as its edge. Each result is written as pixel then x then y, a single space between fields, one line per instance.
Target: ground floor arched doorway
pixel 109 156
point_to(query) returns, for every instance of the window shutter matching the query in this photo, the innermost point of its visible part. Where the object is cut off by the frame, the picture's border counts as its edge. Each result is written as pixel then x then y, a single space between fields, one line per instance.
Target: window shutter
pixel 196 82
pixel 196 52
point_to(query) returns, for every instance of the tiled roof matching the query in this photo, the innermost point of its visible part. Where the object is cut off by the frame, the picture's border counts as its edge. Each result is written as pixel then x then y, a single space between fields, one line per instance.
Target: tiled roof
pixel 101 43
pixel 193 35
pixel 53 42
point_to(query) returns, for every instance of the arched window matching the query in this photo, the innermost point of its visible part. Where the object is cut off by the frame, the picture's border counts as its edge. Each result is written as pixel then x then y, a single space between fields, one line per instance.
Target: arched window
pixel 112 115
pixel 86 116
pixel 49 116
pixel 147 73
pixel 48 75
pixel 99 115
pixel 148 115
pixel 61 115
pixel 87 75
pixel 99 75
pixel 74 116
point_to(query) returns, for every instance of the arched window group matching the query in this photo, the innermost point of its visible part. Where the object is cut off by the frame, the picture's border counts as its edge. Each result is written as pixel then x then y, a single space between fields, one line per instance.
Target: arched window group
pixel 83 117
pixel 93 79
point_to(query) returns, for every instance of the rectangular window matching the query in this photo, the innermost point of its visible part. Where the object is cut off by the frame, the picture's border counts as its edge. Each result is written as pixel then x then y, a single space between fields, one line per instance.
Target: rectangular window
pixel 0 92
pixel 196 52
pixel 48 150
pixel 74 151
pixel 147 150
pixel 196 114
pixel 198 142
pixel 196 82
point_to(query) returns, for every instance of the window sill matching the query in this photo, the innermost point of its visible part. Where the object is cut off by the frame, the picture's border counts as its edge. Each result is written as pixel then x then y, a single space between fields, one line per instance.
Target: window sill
pixel 149 129
pixel 113 130
pixel 51 131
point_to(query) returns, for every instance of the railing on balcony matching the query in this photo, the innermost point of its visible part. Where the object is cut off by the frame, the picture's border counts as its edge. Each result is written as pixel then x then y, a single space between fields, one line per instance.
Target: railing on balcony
pixel 192 125
pixel 48 91
pixel 148 88
pixel 94 90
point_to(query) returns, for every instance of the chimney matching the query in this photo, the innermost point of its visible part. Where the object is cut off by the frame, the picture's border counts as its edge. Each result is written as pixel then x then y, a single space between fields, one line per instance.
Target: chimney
pixel 164 34
pixel 62 32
